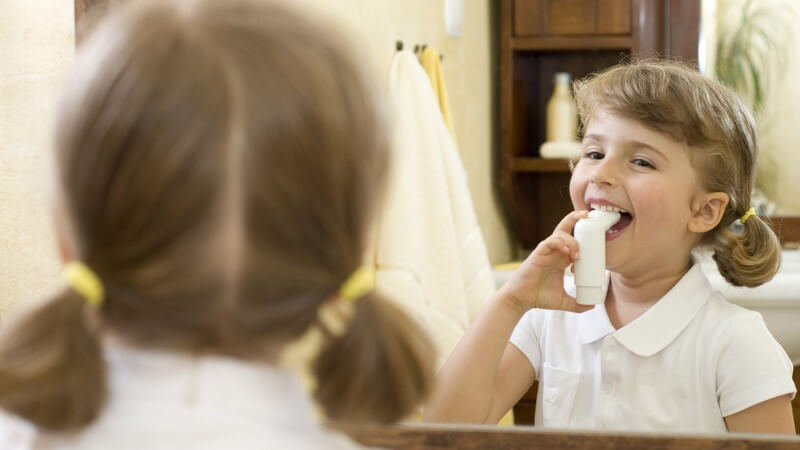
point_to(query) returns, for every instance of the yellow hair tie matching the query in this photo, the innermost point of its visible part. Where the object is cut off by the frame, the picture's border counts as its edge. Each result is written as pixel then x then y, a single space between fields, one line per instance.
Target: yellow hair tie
pixel 84 281
pixel 336 315
pixel 358 284
pixel 750 213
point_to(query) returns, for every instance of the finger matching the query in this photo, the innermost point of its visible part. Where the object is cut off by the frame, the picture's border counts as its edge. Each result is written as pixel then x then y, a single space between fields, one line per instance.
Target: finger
pixel 568 222
pixel 570 242
pixel 559 246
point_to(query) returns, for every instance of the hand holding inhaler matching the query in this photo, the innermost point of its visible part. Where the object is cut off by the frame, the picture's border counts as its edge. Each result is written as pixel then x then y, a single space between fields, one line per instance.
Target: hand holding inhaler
pixel 539 282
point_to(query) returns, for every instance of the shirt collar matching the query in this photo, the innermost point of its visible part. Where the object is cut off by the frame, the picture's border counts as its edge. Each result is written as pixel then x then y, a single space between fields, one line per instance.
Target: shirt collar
pixel 663 322
pixel 658 326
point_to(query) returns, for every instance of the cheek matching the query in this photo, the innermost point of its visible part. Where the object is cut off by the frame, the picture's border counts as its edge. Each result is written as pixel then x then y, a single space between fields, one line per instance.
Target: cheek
pixel 577 187
pixel 665 204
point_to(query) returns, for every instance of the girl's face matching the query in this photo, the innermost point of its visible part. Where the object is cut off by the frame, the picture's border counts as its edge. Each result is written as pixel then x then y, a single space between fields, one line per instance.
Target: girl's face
pixel 649 176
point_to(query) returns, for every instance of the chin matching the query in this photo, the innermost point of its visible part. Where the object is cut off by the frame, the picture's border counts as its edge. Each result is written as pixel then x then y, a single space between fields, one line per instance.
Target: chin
pixel 614 264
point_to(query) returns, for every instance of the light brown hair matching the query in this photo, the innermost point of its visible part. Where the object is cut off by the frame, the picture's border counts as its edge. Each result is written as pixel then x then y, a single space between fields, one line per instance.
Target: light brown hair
pixel 720 131
pixel 219 162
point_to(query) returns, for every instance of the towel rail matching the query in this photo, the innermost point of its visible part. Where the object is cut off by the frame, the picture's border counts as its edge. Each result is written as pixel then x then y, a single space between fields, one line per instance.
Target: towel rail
pixel 398 45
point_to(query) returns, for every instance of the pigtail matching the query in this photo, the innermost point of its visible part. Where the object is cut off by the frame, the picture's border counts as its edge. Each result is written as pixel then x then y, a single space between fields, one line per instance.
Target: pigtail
pixel 749 257
pixel 379 370
pixel 52 371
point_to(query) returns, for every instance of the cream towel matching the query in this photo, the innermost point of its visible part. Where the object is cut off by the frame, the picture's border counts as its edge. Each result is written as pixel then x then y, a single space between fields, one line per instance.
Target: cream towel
pixel 429 58
pixel 430 255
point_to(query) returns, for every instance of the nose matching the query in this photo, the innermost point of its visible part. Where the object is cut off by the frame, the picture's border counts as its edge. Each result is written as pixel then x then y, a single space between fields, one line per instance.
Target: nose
pixel 604 173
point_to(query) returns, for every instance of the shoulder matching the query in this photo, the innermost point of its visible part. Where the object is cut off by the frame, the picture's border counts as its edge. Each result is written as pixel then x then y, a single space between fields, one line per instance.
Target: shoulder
pixel 729 331
pixel 733 331
pixel 15 432
pixel 562 327
pixel 539 328
pixel 542 320
pixel 720 317
pixel 749 365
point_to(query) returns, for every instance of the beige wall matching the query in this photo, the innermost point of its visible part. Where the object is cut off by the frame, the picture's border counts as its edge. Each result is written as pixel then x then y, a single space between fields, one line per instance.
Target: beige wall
pixel 36 47
pixel 469 74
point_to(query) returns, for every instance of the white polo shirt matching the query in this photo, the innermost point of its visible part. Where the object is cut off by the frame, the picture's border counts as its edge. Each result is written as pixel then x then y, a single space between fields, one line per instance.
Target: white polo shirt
pixel 685 364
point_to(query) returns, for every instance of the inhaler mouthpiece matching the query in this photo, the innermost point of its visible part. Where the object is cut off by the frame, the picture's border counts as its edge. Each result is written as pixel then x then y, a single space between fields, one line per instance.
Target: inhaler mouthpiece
pixel 590 268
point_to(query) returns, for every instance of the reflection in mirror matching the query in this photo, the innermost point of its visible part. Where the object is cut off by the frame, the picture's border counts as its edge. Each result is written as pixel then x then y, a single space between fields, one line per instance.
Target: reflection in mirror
pixel 753 46
pixel 777 197
pixel 583 390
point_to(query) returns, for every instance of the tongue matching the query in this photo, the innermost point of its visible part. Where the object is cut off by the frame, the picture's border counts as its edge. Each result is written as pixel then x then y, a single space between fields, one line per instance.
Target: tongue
pixel 623 222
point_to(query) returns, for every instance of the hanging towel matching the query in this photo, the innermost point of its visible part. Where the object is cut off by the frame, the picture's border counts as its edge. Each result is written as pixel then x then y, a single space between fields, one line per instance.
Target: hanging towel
pixel 429 254
pixel 429 58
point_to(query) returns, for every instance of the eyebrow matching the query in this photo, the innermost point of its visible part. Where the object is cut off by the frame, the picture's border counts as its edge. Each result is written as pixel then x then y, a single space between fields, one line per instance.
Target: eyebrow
pixel 633 143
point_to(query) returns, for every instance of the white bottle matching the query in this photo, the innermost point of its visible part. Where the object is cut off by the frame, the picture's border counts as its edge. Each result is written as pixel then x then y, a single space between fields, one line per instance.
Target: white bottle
pixel 562 122
pixel 562 116
pixel 590 268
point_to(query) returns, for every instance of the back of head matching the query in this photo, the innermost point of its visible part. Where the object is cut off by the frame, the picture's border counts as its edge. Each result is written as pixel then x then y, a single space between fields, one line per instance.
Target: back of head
pixel 219 164
pixel 720 132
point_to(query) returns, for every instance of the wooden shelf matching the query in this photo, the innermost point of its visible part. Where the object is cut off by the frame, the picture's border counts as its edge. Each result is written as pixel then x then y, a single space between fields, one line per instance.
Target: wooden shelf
pixel 571 43
pixel 539 165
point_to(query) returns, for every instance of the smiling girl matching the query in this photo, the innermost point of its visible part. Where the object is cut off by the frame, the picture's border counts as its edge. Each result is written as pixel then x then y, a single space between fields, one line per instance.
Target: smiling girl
pixel 675 153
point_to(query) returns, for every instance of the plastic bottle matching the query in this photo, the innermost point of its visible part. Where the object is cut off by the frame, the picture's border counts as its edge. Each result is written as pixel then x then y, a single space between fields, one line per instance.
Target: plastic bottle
pixel 590 268
pixel 562 117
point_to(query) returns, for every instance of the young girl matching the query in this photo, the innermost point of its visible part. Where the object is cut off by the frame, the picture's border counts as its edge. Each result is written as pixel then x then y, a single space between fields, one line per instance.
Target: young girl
pixel 675 153
pixel 219 163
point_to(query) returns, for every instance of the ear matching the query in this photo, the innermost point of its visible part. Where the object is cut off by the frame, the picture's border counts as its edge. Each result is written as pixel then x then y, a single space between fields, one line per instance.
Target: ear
pixel 707 211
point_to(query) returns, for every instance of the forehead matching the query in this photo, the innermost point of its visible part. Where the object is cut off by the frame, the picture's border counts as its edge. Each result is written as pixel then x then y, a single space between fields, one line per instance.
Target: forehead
pixel 609 126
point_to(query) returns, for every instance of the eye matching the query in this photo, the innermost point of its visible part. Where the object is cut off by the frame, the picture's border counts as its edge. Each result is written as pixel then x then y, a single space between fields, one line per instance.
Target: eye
pixel 643 163
pixel 593 154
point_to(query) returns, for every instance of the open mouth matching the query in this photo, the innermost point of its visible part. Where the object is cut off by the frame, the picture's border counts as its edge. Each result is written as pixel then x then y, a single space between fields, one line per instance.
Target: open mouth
pixel 625 219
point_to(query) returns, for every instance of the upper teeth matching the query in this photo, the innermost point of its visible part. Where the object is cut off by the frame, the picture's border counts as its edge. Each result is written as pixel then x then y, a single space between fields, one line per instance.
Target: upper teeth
pixel 607 208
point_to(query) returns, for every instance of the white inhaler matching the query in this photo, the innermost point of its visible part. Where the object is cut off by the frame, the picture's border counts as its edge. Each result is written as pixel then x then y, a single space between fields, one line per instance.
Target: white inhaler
pixel 590 267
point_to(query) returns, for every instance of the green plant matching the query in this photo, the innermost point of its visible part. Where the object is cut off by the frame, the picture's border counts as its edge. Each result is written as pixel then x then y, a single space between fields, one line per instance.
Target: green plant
pixel 751 50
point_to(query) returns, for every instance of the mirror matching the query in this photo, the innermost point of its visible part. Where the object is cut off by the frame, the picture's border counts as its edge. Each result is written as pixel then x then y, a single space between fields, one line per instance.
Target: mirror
pixel 778 160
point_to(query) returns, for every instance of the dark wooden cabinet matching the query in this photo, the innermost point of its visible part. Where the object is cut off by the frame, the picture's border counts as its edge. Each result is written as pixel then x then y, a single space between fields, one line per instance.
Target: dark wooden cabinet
pixel 571 17
pixel 541 37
